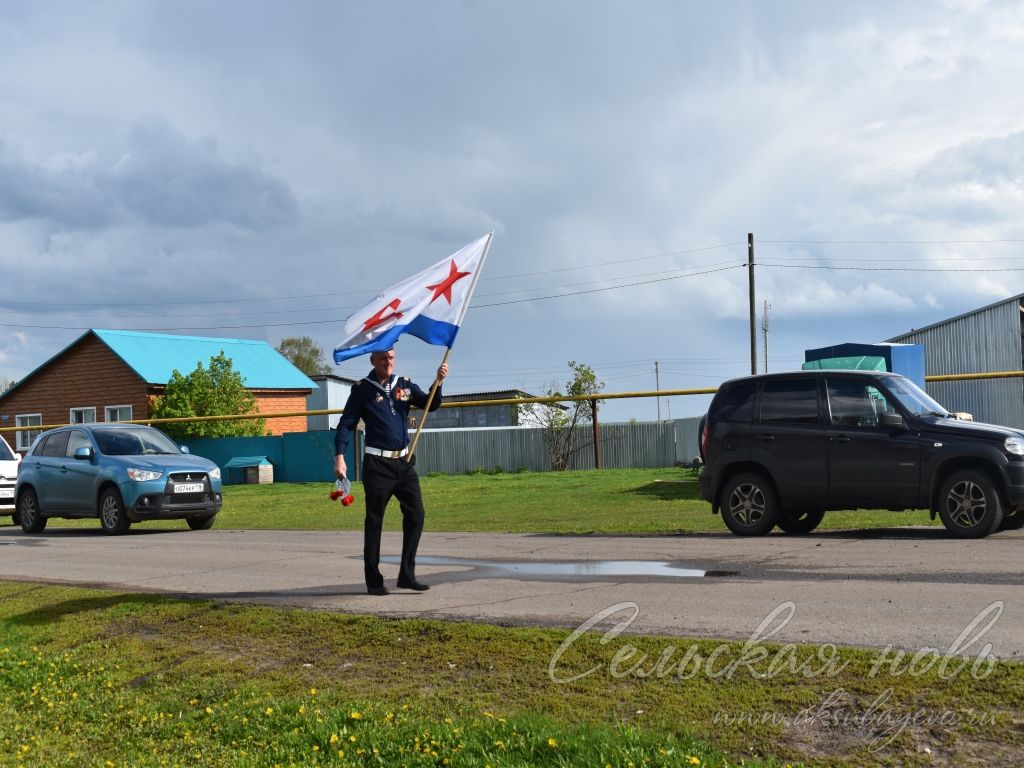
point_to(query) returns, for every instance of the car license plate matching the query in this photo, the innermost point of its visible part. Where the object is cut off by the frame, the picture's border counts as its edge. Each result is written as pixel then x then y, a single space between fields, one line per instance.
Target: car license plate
pixel 189 487
pixel 6 493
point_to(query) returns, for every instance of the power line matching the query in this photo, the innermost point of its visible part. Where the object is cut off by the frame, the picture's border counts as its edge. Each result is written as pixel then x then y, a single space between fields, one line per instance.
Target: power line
pixel 361 291
pixel 889 269
pixel 887 242
pixel 620 261
pixel 351 309
pixel 341 320
pixel 610 288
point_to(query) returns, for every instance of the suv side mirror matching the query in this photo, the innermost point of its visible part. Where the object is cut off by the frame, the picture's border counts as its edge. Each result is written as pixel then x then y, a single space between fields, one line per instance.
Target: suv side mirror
pixel 184 449
pixel 891 420
pixel 84 452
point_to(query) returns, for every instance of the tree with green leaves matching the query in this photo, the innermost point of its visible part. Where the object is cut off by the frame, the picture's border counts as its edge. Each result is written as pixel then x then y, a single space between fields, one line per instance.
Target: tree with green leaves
pixel 215 391
pixel 304 354
pixel 560 423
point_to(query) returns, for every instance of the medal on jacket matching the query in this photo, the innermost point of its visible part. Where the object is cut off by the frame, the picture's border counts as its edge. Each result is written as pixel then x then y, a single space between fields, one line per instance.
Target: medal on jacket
pixel 402 393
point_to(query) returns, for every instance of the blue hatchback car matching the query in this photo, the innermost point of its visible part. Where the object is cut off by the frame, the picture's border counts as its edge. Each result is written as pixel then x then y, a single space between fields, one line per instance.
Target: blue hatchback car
pixel 121 473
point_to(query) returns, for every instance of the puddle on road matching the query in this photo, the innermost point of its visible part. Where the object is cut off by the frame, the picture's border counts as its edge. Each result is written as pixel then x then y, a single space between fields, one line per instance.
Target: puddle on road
pixel 591 568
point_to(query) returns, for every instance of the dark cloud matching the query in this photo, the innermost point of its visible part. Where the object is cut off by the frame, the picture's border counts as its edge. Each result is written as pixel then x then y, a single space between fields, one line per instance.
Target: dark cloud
pixel 68 197
pixel 162 179
pixel 167 180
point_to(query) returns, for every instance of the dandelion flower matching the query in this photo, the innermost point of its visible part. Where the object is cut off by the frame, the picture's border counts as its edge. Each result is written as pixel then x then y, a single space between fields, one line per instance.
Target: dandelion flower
pixel 269 711
pixel 692 760
pixel 355 715
pixel 552 742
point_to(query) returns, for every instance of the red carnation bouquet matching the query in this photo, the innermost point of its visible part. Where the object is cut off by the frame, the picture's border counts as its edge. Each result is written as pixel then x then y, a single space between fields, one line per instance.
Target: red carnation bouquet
pixel 343 491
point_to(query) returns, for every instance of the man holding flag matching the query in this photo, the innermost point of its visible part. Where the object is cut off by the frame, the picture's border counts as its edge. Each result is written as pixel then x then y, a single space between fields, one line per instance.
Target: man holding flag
pixel 431 306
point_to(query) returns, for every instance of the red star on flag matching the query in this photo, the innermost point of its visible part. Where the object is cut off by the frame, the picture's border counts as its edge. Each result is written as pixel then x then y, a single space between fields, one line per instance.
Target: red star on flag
pixel 444 288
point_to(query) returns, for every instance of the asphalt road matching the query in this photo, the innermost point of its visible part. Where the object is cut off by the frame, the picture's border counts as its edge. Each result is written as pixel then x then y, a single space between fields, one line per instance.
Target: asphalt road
pixel 906 588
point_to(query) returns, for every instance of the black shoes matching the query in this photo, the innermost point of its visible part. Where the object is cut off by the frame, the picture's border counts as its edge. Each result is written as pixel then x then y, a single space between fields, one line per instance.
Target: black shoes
pixel 418 586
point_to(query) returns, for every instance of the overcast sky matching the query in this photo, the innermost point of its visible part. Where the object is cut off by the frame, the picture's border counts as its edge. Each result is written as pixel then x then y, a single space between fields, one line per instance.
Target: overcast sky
pixel 260 169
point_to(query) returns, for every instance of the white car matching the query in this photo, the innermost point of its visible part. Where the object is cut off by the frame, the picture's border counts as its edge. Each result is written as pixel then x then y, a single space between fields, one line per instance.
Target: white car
pixel 9 461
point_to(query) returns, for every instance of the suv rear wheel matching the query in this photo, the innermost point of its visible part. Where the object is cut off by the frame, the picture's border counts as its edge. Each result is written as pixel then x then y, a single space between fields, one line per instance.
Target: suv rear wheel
pixel 969 505
pixel 799 521
pixel 29 516
pixel 749 506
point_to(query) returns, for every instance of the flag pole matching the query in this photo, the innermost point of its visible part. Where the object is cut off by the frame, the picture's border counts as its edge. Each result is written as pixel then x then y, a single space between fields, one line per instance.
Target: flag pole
pixel 448 351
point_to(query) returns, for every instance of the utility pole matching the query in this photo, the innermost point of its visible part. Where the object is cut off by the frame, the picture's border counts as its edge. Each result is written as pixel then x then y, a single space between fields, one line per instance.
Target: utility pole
pixel 753 308
pixel 657 388
pixel 764 331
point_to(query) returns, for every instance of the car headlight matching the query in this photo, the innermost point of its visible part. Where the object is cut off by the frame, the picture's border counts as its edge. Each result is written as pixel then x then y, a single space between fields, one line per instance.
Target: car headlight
pixel 141 475
pixel 214 473
pixel 1014 445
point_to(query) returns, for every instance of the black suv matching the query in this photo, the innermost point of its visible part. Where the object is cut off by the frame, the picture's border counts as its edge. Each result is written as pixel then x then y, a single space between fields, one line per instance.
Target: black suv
pixel 782 449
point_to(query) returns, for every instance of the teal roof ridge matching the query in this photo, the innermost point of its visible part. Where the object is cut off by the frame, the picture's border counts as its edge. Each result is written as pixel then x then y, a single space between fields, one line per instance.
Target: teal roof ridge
pixel 155 356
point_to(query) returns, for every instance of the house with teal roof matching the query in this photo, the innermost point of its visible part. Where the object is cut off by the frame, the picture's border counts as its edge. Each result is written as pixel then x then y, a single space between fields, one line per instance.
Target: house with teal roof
pixel 115 375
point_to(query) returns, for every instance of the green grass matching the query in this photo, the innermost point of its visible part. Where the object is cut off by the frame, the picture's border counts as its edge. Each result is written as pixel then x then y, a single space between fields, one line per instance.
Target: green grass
pixel 100 678
pixel 629 501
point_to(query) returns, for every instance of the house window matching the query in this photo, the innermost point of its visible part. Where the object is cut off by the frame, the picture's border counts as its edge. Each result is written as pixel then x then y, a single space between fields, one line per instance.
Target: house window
pixel 24 438
pixel 117 413
pixel 82 416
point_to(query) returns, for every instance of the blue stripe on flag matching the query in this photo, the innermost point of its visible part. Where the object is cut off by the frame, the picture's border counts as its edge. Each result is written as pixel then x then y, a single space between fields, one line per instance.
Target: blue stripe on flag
pixel 433 331
pixel 382 343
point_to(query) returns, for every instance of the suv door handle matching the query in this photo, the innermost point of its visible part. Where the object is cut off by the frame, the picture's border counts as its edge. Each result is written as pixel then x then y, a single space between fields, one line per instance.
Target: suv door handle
pixel 765 438
pixel 840 439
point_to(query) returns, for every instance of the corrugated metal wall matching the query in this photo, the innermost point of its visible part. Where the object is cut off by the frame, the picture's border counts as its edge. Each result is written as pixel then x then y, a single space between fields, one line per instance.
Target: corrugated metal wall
pixel 988 340
pixel 687 439
pixel 453 451
pixel 331 396
pixel 309 456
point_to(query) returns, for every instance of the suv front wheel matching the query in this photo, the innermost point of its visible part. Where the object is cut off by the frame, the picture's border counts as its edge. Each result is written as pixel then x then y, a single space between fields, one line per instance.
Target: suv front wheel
pixel 969 505
pixel 749 506
pixel 799 521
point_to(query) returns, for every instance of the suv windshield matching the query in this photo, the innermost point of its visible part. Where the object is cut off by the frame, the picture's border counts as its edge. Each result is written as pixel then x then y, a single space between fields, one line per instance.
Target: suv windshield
pixel 912 397
pixel 133 442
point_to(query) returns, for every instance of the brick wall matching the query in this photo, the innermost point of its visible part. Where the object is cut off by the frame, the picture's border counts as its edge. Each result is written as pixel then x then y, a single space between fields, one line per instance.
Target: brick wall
pixel 88 375
pixel 283 402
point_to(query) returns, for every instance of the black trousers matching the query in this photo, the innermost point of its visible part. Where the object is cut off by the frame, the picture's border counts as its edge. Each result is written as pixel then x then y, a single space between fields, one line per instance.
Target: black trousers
pixel 382 479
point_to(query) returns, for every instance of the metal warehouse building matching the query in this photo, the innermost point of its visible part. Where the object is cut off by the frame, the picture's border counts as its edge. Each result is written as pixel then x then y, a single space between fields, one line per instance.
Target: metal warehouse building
pixel 984 340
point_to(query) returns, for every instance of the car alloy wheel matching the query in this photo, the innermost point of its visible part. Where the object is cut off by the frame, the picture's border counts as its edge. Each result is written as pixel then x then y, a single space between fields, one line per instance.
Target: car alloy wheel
pixel 749 507
pixel 32 520
pixel 113 518
pixel 970 506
